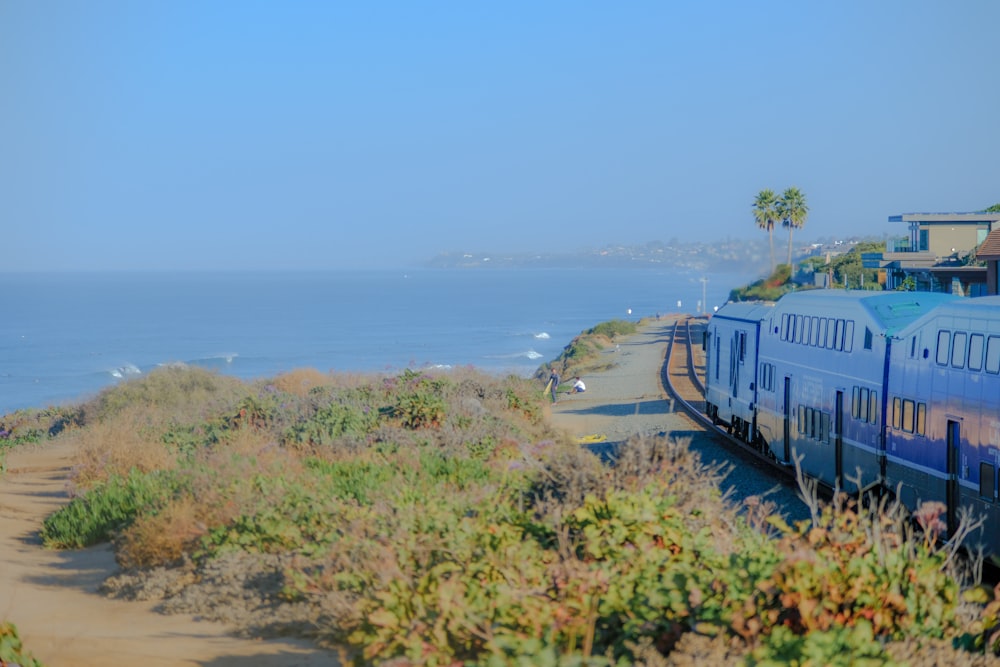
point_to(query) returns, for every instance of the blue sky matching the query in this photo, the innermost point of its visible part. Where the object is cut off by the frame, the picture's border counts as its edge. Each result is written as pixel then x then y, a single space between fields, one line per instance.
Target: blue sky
pixel 205 134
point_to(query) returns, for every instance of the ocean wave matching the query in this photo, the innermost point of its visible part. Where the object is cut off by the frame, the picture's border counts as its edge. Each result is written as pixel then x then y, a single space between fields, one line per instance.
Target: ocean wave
pixel 530 354
pixel 213 359
pixel 542 336
pixel 128 370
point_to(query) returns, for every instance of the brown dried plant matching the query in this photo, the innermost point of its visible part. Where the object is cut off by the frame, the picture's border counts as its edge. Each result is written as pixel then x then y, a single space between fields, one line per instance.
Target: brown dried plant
pixel 127 440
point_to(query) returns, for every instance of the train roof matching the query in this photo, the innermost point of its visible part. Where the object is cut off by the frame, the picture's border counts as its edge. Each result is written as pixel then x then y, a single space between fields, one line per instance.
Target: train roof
pixel 888 311
pixel 980 307
pixel 750 311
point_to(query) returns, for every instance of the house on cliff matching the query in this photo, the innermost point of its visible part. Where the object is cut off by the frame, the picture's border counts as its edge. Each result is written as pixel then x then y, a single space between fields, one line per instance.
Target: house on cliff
pixel 939 253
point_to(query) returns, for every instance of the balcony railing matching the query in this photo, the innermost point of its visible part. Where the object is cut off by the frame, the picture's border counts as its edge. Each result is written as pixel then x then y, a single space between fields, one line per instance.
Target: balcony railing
pixel 898 245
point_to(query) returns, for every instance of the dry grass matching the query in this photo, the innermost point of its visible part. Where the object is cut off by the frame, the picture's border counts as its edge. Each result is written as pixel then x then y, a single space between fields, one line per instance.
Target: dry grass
pixel 128 440
pixel 301 381
pixel 163 538
pixel 216 492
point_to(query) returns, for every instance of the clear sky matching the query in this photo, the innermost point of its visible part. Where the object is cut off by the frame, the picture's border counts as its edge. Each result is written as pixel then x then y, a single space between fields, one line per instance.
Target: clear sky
pixel 211 134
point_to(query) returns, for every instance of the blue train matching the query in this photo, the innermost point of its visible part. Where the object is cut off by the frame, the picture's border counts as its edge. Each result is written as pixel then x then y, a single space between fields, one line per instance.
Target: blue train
pixel 903 387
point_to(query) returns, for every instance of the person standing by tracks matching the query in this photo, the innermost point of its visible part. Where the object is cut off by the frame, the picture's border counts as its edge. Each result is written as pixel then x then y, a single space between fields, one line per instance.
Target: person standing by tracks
pixel 554 383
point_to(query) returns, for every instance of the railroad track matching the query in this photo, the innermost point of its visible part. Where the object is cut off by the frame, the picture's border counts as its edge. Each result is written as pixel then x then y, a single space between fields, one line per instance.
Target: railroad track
pixel 681 377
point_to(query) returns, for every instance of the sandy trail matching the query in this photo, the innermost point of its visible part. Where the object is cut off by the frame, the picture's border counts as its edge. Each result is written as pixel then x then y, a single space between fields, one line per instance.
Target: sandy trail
pixel 51 596
pixel 628 398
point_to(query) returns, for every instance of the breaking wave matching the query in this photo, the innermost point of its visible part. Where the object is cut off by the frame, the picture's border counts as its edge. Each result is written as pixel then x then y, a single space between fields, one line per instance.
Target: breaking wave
pixel 128 370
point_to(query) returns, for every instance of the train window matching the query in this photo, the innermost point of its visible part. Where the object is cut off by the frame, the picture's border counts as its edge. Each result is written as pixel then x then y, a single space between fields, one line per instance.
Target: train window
pixel 873 407
pixel 807 331
pixel 913 347
pixel 993 354
pixel 822 332
pixel 767 377
pixel 958 343
pixel 863 408
pixel 921 418
pixel 824 427
pixel 718 343
pixel 944 338
pixel 814 338
pixel 785 326
pixel 849 336
pixel 831 332
pixel 802 418
pixel 987 481
pixel 868 338
pixel 897 412
pixel 838 335
pixel 907 419
pixel 856 403
pixel 976 344
pixel 800 322
pixel 815 421
pixel 743 346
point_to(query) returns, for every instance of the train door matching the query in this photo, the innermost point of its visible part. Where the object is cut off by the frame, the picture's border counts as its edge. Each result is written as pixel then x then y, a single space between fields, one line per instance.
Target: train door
pixel 737 355
pixel 954 439
pixel 788 419
pixel 838 439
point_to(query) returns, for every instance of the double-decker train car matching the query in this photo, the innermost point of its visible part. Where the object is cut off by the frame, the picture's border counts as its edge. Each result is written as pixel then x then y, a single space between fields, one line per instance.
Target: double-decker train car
pixel 943 413
pixel 819 370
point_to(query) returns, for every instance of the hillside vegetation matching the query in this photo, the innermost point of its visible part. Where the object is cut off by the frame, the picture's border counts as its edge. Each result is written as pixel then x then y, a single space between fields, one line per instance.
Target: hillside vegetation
pixel 589 351
pixel 434 518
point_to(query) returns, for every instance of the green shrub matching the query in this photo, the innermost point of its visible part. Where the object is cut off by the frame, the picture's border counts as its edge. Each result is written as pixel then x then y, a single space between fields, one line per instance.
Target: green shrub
pixel 106 509
pixel 332 422
pixel 11 650
pixel 418 400
pixel 854 646
pixel 32 425
pixel 852 565
pixel 614 328
pixel 766 289
pixel 359 480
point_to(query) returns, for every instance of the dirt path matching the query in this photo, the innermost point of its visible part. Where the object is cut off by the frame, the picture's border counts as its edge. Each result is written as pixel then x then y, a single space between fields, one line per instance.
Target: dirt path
pixel 51 595
pixel 628 398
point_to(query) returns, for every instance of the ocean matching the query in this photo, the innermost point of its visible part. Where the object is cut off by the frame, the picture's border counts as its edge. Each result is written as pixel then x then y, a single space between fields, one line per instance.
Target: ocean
pixel 66 336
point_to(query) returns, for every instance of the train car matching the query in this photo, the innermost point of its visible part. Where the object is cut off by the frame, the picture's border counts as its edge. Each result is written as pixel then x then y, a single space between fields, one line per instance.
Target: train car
pixel 730 343
pixel 943 430
pixel 821 371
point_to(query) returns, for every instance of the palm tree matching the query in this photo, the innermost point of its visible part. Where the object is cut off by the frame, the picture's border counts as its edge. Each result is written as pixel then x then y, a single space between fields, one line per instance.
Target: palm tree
pixel 765 212
pixel 792 211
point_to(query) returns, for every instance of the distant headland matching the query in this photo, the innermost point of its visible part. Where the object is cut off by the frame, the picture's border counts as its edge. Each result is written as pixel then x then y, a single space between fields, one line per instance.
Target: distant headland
pixel 724 255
